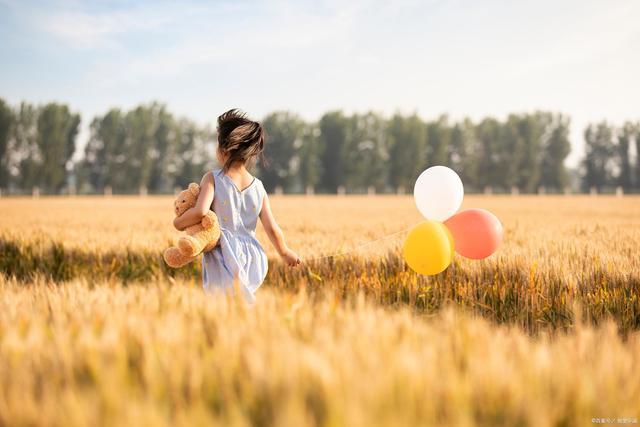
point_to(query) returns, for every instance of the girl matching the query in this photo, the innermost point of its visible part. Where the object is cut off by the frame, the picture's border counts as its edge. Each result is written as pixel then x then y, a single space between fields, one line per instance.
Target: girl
pixel 240 199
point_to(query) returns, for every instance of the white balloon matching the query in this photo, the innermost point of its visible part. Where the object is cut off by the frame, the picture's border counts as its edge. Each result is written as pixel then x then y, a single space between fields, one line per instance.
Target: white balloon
pixel 438 193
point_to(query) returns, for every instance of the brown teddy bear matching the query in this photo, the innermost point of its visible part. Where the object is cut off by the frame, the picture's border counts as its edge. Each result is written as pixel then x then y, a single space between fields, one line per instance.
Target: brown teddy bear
pixel 200 237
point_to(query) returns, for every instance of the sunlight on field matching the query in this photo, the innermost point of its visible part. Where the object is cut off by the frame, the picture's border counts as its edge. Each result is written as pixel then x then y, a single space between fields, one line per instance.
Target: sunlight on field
pixel 95 330
pixel 534 226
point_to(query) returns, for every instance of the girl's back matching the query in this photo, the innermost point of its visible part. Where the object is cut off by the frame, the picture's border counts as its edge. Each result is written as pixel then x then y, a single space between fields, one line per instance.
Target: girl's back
pixel 237 209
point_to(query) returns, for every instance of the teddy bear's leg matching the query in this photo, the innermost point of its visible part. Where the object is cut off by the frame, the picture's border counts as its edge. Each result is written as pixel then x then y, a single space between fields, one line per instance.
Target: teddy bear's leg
pixel 212 237
pixel 176 259
pixel 190 245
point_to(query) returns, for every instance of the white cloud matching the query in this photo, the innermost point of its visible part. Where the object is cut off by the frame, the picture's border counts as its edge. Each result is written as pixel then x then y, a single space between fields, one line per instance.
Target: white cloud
pixel 284 35
pixel 90 31
pixel 79 26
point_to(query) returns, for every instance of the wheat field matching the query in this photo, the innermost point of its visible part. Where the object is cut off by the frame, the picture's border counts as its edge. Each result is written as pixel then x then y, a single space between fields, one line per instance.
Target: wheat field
pixel 95 330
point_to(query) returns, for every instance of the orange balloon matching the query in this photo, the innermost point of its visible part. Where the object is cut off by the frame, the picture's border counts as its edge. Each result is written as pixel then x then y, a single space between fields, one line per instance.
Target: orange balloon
pixel 477 233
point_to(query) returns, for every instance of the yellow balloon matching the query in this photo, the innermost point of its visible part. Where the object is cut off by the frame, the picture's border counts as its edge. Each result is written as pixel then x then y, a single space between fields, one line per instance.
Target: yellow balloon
pixel 428 248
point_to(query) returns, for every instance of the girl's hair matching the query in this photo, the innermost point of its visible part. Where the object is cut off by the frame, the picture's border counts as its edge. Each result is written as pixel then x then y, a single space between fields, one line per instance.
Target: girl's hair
pixel 240 139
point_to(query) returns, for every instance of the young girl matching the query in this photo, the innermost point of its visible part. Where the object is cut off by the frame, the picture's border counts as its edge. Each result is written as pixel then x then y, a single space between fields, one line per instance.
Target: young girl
pixel 240 199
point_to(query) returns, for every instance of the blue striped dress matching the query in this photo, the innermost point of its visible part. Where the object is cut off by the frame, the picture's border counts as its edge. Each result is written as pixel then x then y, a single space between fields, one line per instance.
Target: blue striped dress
pixel 239 253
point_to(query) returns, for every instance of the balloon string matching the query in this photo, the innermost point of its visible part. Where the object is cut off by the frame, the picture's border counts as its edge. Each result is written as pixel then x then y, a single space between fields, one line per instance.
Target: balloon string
pixel 357 248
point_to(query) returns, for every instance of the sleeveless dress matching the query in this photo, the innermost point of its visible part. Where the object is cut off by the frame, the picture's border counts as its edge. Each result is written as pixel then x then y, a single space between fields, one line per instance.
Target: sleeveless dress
pixel 239 254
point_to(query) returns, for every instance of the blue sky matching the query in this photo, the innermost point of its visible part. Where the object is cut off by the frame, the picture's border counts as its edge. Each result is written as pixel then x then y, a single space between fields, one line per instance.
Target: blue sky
pixel 461 57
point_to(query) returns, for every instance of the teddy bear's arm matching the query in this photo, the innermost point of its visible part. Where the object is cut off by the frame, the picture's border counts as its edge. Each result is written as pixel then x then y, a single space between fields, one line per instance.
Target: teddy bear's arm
pixel 208 220
pixel 199 198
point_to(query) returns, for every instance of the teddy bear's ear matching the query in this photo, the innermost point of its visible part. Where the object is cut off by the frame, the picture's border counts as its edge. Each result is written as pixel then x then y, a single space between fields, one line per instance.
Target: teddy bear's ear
pixel 194 188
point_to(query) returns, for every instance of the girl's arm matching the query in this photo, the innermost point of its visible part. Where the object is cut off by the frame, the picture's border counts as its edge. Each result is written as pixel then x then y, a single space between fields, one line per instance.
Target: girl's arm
pixel 194 215
pixel 275 234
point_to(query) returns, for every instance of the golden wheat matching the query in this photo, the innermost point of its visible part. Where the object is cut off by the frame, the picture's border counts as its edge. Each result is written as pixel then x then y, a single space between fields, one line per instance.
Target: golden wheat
pixel 99 354
pixel 95 330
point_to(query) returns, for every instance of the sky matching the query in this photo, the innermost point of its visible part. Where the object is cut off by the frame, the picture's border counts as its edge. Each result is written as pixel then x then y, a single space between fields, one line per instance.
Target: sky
pixel 459 57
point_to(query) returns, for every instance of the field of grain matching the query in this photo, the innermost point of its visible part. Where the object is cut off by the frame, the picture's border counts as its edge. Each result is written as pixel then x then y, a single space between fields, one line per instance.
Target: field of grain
pixel 94 329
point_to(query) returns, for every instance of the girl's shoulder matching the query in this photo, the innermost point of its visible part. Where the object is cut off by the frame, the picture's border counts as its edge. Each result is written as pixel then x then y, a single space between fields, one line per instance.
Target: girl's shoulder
pixel 259 185
pixel 207 179
pixel 216 175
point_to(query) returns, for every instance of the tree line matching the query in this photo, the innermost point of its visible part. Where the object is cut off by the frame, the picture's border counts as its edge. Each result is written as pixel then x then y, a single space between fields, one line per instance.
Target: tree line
pixel 148 147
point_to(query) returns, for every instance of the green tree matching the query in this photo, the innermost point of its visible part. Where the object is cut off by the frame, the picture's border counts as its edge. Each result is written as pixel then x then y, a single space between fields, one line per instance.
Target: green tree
pixel 139 143
pixel 554 152
pixel 147 147
pixel 488 134
pixel 407 149
pixel 438 142
pixel 194 155
pixel 163 150
pixel 28 158
pixel 636 132
pixel 310 165
pixel 623 156
pixel 599 151
pixel 463 153
pixel 105 154
pixel 6 124
pixel 285 137
pixel 368 152
pixel 333 141
pixel 57 131
pixel 511 149
pixel 531 128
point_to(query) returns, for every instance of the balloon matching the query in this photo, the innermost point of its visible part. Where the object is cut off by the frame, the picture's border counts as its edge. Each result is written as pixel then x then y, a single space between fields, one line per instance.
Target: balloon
pixel 428 248
pixel 438 193
pixel 477 233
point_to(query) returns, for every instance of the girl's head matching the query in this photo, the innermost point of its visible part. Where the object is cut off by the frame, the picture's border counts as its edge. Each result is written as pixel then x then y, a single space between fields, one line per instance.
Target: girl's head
pixel 240 140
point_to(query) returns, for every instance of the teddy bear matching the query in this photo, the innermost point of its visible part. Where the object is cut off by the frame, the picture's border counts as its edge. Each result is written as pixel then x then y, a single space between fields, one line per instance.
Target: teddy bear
pixel 199 238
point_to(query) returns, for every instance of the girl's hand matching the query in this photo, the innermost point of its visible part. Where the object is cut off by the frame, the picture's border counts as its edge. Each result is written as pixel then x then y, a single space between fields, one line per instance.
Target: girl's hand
pixel 290 258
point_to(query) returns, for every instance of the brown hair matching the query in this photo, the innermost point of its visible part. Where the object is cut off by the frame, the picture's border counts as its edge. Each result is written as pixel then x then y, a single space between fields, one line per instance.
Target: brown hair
pixel 239 138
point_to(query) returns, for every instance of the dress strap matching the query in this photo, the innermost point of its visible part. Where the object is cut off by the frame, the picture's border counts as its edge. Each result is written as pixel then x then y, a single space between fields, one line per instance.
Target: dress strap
pixel 217 174
pixel 262 193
